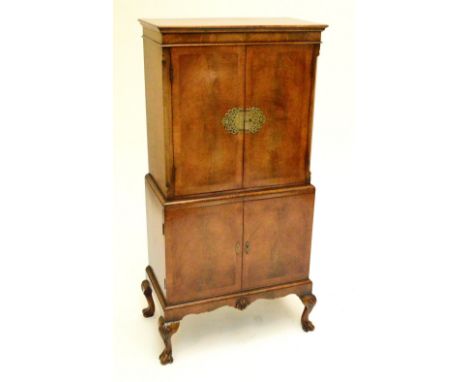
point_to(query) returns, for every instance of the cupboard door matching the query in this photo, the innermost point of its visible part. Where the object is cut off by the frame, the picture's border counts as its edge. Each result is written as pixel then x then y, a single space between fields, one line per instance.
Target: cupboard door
pixel 203 251
pixel 207 82
pixel 277 239
pixel 279 83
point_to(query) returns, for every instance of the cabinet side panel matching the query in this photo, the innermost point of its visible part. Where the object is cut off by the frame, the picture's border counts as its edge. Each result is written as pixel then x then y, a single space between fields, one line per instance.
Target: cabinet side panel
pixel 154 112
pixel 156 248
pixel 316 51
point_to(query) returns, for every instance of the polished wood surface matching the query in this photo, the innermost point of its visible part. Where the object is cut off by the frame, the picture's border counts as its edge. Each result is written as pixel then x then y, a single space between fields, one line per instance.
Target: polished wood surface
pixel 148 292
pixel 207 82
pixel 178 32
pixel 309 300
pixel 252 23
pixel 154 111
pixel 175 312
pixel 239 38
pixel 167 330
pixel 159 115
pixel 279 82
pixel 229 203
pixel 215 246
pixel 156 286
pixel 156 240
pixel 215 198
pixel 277 234
pixel 203 251
pixel 190 89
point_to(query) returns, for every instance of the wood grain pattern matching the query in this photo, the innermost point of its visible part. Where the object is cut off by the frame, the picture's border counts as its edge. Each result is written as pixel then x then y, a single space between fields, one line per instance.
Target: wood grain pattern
pixel 156 240
pixel 154 112
pixel 207 83
pixel 177 32
pixel 278 81
pixel 215 198
pixel 203 251
pixel 229 212
pixel 167 112
pixel 240 38
pixel 201 236
pixel 159 115
pixel 148 292
pixel 156 286
pixel 316 52
pixel 278 234
pixel 175 312
pixel 309 301
pixel 189 150
pixel 252 24
pixel 167 330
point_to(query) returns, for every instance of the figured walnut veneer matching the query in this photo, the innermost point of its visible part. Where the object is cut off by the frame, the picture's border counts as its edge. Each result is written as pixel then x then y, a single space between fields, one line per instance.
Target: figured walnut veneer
pixel 229 106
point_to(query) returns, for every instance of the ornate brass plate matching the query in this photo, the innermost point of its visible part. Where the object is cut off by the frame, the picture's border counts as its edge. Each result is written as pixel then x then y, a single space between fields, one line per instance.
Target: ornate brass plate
pixel 250 120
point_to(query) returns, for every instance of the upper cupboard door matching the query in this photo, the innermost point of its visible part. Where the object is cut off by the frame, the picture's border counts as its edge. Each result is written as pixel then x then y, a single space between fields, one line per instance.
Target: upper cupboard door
pixel 279 83
pixel 207 82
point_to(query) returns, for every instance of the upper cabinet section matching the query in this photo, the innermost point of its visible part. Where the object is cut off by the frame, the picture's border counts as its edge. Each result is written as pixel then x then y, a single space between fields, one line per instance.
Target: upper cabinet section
pixel 231 30
pixel 229 103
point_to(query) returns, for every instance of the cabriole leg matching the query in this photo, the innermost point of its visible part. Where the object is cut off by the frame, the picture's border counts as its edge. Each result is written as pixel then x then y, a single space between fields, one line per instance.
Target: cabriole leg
pixel 309 301
pixel 148 292
pixel 167 329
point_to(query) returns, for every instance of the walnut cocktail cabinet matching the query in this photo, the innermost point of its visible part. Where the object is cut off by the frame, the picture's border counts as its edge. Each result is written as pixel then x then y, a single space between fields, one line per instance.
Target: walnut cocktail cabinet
pixel 229 107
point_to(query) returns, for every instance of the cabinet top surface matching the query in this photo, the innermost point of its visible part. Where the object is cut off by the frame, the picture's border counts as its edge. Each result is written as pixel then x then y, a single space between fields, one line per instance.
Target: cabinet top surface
pixel 231 23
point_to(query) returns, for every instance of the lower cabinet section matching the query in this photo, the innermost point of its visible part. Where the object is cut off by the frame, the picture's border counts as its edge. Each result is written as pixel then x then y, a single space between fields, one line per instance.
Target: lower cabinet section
pixel 232 244
pixel 226 250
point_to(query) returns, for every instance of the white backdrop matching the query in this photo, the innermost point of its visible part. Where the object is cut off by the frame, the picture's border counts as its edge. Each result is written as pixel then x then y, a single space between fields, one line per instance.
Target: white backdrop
pixel 390 224
pixel 390 231
pixel 389 160
pixel 266 340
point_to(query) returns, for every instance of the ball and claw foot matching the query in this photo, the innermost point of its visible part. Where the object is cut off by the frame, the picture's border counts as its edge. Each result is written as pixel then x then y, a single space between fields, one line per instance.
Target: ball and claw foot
pixel 242 303
pixel 165 357
pixel 147 291
pixel 167 329
pixel 309 301
pixel 307 326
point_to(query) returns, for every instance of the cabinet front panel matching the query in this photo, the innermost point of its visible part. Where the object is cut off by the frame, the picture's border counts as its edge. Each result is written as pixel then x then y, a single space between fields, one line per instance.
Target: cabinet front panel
pixel 203 251
pixel 207 82
pixel 279 83
pixel 277 235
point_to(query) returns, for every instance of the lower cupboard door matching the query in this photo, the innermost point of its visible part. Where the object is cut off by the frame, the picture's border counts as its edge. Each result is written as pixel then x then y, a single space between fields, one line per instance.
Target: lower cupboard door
pixel 203 251
pixel 277 239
